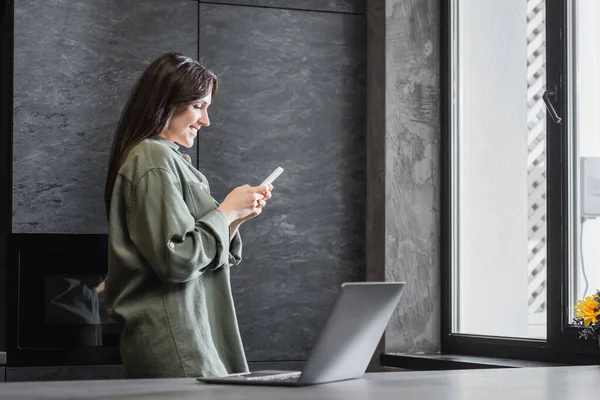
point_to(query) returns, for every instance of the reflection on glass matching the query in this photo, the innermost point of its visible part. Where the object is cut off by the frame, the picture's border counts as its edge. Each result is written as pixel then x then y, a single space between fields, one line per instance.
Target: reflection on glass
pixel 586 139
pixel 77 303
pixel 499 197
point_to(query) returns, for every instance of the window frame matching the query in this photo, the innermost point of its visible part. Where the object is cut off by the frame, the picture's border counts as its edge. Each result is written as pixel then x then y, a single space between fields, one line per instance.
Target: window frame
pixel 562 344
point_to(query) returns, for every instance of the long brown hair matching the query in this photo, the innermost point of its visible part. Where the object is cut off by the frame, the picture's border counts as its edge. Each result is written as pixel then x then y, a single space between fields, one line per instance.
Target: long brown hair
pixel 170 83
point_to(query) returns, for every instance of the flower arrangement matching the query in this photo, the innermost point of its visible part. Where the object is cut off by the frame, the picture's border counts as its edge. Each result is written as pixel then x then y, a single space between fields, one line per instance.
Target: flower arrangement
pixel 588 313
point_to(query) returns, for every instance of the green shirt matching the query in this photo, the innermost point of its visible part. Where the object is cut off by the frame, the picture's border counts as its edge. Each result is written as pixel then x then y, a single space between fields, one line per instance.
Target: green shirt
pixel 168 275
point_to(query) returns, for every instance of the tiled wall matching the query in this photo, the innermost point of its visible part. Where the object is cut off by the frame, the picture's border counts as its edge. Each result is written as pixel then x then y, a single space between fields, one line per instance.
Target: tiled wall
pixel 292 94
pixel 75 63
pixel 335 6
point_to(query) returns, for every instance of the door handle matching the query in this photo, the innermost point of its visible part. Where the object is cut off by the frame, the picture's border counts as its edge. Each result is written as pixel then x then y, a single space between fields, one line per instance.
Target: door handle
pixel 546 97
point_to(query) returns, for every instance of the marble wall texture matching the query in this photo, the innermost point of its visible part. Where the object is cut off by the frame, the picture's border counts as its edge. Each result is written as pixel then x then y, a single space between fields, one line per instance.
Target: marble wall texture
pixel 75 63
pixel 359 188
pixel 403 148
pixel 291 94
pixel 342 6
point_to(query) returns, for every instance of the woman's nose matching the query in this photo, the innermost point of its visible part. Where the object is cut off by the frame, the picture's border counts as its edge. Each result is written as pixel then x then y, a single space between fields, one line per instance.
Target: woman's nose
pixel 204 119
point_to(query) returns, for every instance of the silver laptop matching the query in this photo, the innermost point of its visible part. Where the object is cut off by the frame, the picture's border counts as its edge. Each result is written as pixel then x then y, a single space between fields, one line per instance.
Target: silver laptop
pixel 346 344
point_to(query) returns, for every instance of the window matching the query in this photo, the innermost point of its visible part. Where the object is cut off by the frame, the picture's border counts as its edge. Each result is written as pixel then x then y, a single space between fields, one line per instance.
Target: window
pixel 586 148
pixel 521 194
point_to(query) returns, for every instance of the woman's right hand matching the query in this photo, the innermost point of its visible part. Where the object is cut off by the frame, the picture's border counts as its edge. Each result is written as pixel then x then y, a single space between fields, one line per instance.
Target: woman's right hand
pixel 245 200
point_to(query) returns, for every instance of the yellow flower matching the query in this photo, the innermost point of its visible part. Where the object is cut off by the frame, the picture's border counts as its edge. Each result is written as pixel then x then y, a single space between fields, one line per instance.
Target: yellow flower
pixel 588 310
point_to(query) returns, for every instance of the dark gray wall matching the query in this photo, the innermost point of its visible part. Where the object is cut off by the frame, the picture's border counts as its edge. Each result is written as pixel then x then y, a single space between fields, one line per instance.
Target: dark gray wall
pixel 292 94
pixel 343 6
pixel 75 63
pixel 403 149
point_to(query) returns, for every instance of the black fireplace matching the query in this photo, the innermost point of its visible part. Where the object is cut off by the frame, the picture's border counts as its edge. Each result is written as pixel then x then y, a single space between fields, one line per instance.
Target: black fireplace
pixel 56 311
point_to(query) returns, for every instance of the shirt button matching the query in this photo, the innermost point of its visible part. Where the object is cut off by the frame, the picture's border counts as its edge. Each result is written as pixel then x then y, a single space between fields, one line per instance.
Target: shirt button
pixel 172 245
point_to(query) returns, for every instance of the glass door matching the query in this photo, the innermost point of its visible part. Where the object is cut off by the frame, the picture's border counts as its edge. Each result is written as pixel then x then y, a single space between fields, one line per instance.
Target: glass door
pixel 499 168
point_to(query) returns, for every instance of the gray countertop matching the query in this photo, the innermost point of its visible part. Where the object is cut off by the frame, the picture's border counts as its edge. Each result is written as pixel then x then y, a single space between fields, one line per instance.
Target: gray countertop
pixel 489 384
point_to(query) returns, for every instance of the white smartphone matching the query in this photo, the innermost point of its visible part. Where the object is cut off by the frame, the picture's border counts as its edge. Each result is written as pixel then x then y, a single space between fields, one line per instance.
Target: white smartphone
pixel 273 176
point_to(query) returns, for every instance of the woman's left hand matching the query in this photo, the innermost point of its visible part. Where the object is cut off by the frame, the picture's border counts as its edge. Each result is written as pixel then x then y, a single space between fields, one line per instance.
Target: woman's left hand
pixel 258 209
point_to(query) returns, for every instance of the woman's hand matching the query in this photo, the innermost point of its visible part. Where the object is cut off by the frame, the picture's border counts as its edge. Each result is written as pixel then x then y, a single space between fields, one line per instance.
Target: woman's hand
pixel 258 209
pixel 245 202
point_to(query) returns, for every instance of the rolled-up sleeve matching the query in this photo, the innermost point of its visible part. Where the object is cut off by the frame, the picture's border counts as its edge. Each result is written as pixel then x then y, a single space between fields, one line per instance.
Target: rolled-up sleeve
pixel 177 247
pixel 235 250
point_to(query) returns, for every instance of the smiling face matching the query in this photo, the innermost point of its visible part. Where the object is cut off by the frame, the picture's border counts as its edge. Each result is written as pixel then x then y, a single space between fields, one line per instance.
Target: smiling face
pixel 185 123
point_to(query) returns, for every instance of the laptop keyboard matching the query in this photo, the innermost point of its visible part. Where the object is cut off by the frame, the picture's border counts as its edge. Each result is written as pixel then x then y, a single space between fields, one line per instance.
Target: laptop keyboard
pixel 277 377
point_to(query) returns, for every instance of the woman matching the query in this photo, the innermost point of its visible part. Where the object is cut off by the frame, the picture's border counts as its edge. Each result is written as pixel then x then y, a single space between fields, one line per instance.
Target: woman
pixel 170 243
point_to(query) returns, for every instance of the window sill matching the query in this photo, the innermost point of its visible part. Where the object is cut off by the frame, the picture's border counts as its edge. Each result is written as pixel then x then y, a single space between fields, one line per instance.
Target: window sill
pixel 432 362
